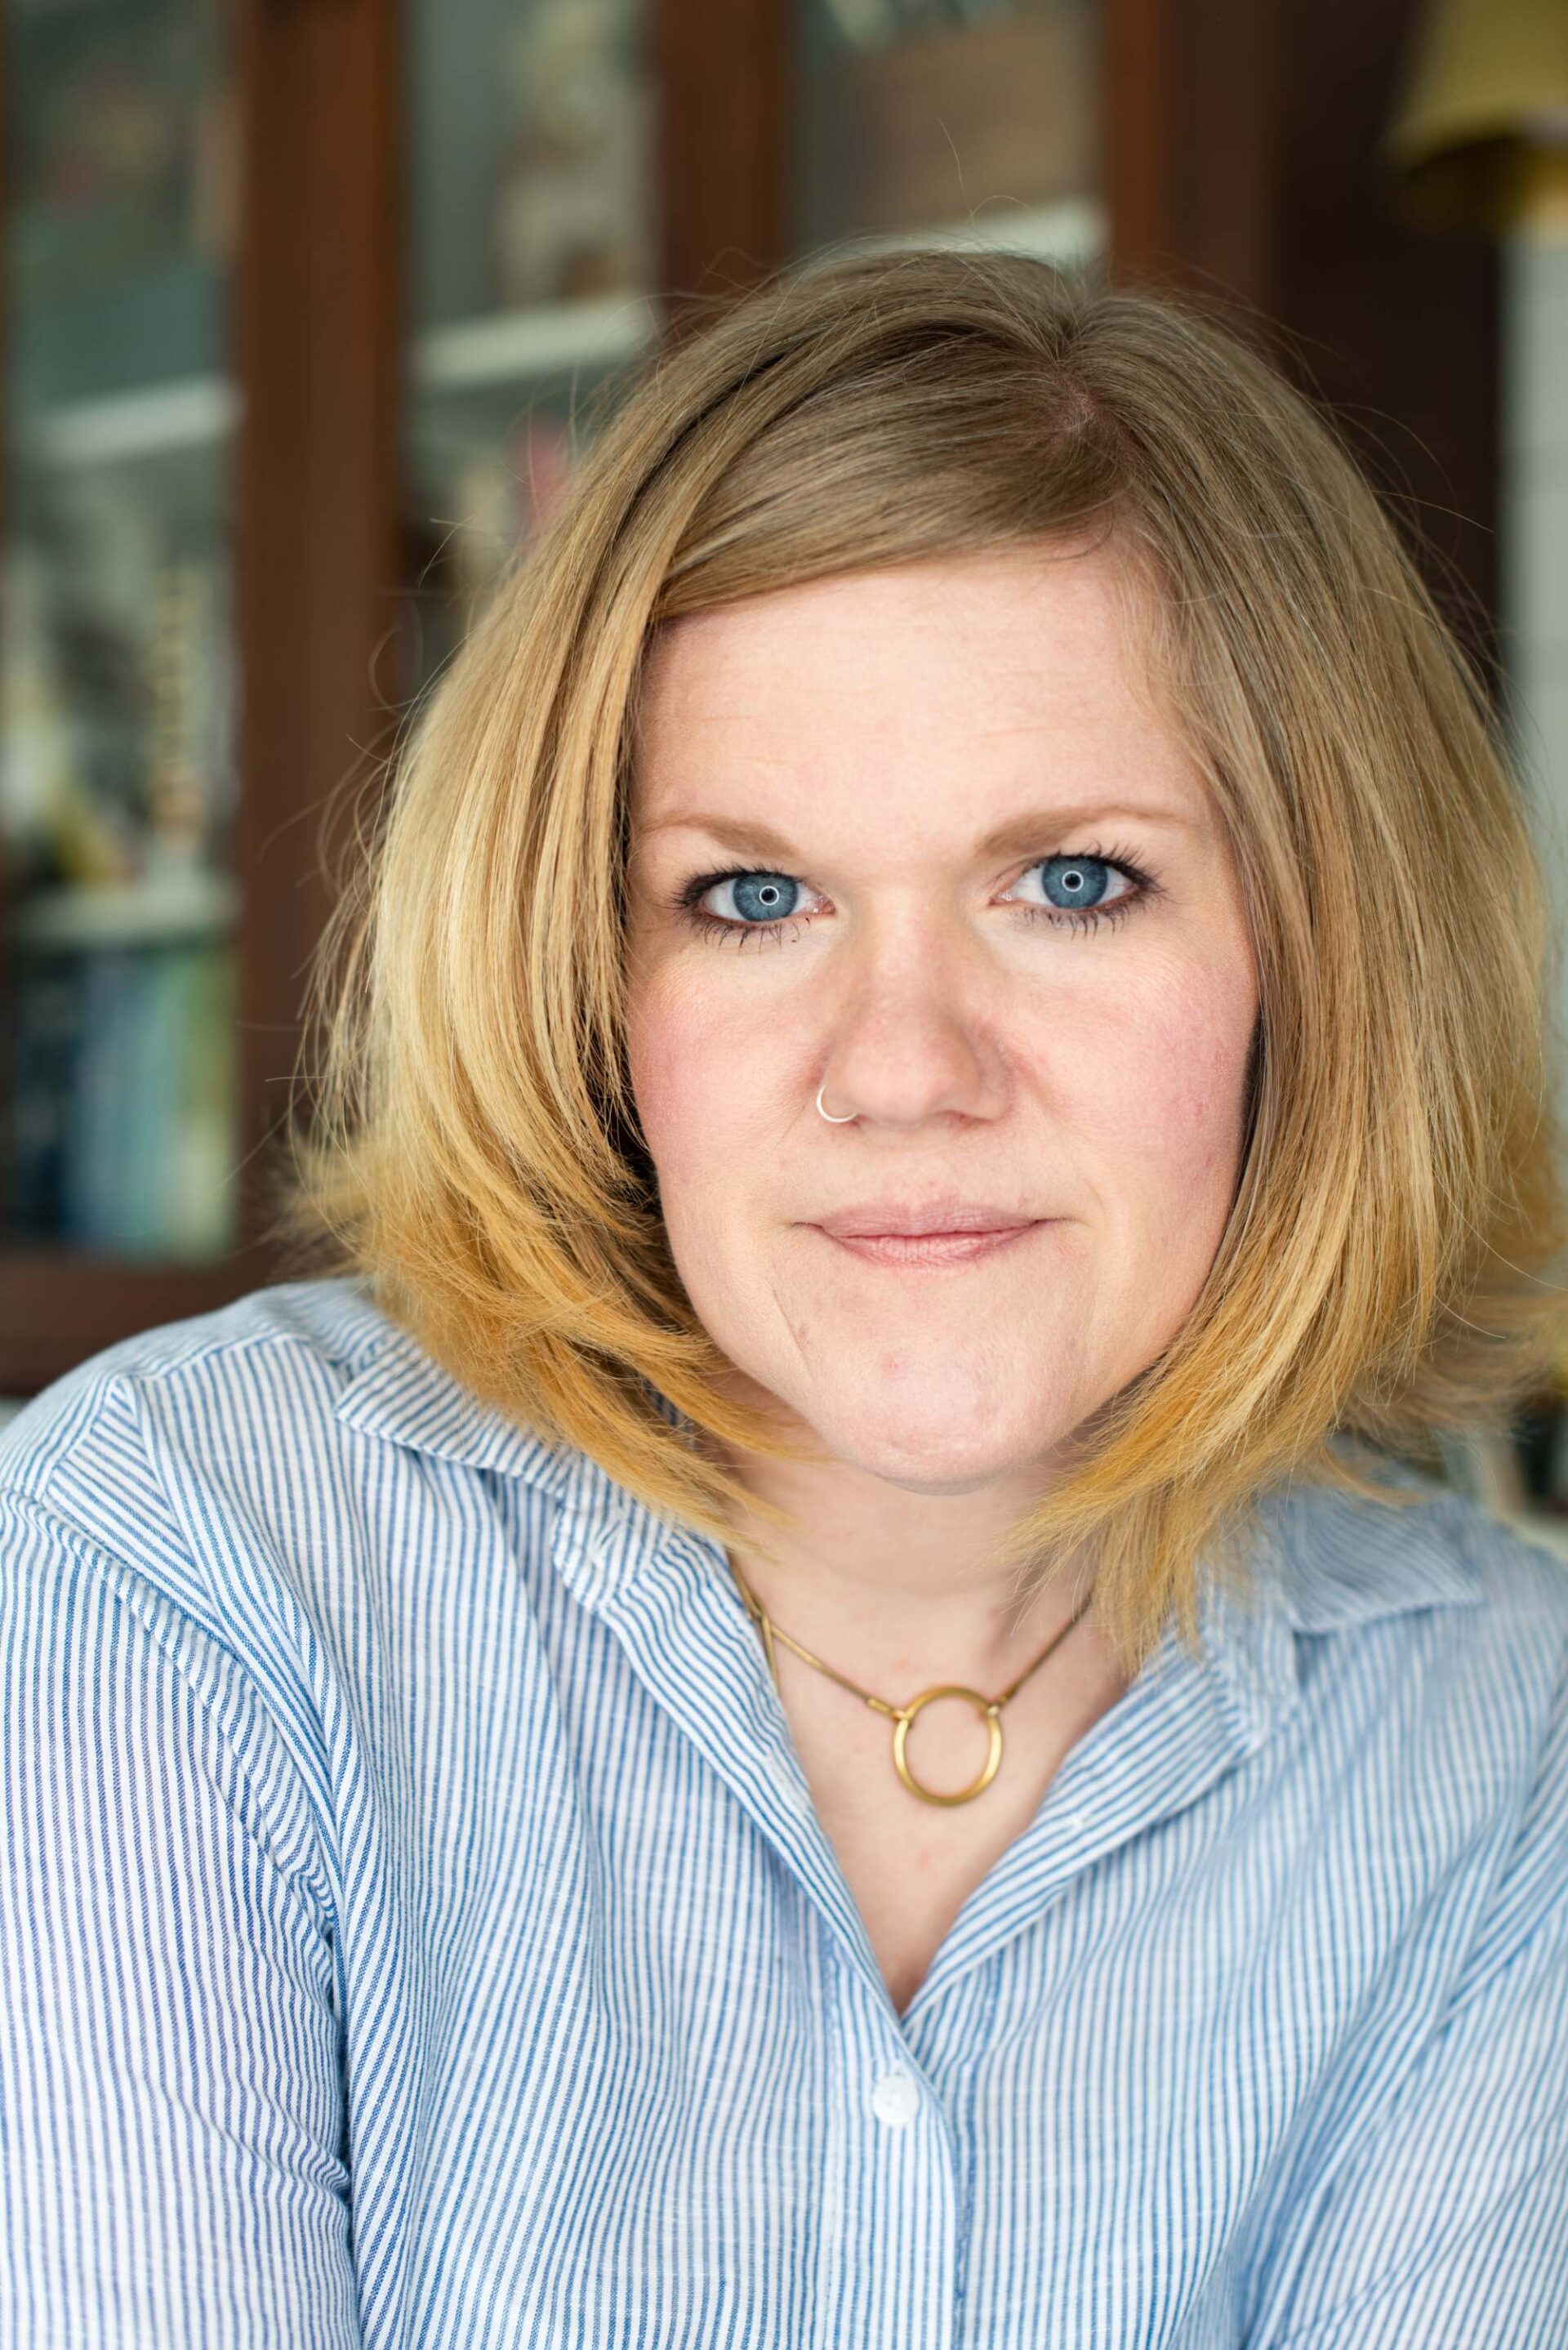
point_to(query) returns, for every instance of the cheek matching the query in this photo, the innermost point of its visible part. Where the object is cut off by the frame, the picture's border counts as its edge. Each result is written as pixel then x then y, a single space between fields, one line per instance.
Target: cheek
pixel 1162 1085
pixel 701 1095
pixel 658 1065
pixel 698 1083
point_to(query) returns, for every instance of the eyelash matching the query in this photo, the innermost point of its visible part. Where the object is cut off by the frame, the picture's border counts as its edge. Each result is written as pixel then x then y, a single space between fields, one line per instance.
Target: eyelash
pixel 1093 918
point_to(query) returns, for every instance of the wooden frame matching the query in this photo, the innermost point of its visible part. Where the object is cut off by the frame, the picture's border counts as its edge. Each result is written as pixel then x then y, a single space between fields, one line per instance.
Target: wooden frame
pixel 321 348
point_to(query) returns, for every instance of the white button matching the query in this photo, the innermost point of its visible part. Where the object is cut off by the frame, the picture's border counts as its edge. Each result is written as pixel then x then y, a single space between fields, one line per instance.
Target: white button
pixel 895 2100
pixel 1077 1819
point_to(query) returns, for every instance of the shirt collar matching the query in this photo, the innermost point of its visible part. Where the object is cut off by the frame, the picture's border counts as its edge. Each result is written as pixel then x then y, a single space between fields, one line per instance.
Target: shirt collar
pixel 404 1395
pixel 1327 1562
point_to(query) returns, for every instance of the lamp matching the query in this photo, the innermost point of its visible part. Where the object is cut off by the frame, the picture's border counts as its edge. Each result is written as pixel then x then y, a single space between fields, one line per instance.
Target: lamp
pixel 1480 138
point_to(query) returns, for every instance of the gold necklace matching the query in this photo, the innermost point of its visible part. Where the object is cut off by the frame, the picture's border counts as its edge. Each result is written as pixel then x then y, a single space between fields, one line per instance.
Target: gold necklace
pixel 901 1716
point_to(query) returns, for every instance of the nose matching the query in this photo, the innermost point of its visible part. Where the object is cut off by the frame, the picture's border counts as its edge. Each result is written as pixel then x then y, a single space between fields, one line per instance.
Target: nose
pixel 913 1036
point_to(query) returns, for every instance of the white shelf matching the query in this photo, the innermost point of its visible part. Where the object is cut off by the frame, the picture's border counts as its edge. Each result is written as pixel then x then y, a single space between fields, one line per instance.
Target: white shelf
pixel 162 907
pixel 199 413
pixel 522 346
pixel 506 346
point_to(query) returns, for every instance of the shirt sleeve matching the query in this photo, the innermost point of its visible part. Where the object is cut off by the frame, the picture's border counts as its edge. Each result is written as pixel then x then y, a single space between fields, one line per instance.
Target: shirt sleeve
pixel 1445 2225
pixel 171 2115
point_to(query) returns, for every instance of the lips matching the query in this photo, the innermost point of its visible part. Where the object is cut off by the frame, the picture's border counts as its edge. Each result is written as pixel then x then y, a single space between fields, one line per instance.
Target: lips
pixel 949 1248
pixel 904 1219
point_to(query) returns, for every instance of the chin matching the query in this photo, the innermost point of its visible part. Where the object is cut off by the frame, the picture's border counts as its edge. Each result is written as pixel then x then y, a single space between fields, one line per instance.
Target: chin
pixel 945 1488
pixel 919 1438
pixel 934 1464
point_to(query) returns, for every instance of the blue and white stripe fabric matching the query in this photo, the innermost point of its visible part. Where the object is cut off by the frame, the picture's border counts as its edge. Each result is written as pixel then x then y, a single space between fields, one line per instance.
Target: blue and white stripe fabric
pixel 415 1929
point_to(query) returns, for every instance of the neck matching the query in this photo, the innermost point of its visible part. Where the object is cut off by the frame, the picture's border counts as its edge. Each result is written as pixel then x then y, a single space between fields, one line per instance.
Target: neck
pixel 874 1579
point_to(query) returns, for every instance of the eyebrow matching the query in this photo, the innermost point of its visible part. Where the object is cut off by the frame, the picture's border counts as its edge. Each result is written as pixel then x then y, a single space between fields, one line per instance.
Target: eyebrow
pixel 1020 832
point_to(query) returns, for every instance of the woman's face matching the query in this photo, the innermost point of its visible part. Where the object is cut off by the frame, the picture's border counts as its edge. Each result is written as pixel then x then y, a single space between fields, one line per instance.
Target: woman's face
pixel 955 871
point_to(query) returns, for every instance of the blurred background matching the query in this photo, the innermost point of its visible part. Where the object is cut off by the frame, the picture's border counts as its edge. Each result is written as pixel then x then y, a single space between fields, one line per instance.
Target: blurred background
pixel 309 307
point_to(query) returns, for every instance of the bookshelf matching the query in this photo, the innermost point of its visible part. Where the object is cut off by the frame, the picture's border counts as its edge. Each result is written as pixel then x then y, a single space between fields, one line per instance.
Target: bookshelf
pixel 277 408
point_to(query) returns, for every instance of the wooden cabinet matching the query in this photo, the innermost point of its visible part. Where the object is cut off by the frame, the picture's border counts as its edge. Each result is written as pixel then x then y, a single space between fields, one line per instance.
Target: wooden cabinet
pixel 305 304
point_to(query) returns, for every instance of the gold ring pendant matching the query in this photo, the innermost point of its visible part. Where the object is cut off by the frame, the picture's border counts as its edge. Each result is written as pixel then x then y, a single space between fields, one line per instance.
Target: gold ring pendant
pixel 988 1710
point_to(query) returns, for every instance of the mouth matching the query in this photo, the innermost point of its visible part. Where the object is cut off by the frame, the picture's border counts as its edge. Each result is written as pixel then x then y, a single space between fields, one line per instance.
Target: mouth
pixel 932 1249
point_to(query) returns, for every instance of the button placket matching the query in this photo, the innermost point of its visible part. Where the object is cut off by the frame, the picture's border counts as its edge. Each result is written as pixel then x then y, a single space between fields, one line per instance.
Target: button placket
pixel 898 2178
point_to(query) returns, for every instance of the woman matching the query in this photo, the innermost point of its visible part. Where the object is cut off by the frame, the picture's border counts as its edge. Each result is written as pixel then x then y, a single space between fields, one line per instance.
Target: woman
pixel 813 1695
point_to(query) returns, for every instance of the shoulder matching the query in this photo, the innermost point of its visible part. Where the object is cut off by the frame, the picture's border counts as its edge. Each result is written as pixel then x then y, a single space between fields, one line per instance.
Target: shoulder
pixel 198 1467
pixel 166 1511
pixel 259 1344
pixel 300 1344
pixel 1427 1553
pixel 1431 1635
pixel 1428 2174
pixel 255 1465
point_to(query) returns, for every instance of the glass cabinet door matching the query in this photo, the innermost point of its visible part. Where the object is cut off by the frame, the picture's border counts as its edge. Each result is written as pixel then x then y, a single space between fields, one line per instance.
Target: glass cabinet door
pixel 533 253
pixel 963 122
pixel 117 903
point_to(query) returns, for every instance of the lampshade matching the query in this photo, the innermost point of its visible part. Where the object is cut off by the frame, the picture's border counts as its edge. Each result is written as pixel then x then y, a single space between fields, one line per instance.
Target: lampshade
pixel 1480 137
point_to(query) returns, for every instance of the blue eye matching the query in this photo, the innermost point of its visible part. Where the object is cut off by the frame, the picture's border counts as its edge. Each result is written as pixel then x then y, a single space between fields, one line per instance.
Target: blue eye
pixel 766 901
pixel 765 897
pixel 1076 886
pixel 1075 883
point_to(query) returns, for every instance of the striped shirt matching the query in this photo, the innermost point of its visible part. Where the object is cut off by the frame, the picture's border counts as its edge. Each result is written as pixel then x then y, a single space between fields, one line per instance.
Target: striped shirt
pixel 415 1928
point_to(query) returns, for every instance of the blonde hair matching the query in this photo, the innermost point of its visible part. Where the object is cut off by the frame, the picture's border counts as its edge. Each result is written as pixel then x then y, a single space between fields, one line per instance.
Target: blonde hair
pixel 1383 1277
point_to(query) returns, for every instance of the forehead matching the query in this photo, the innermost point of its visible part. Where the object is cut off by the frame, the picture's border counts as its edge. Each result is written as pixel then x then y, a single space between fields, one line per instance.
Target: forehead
pixel 1029 617
pixel 963 675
